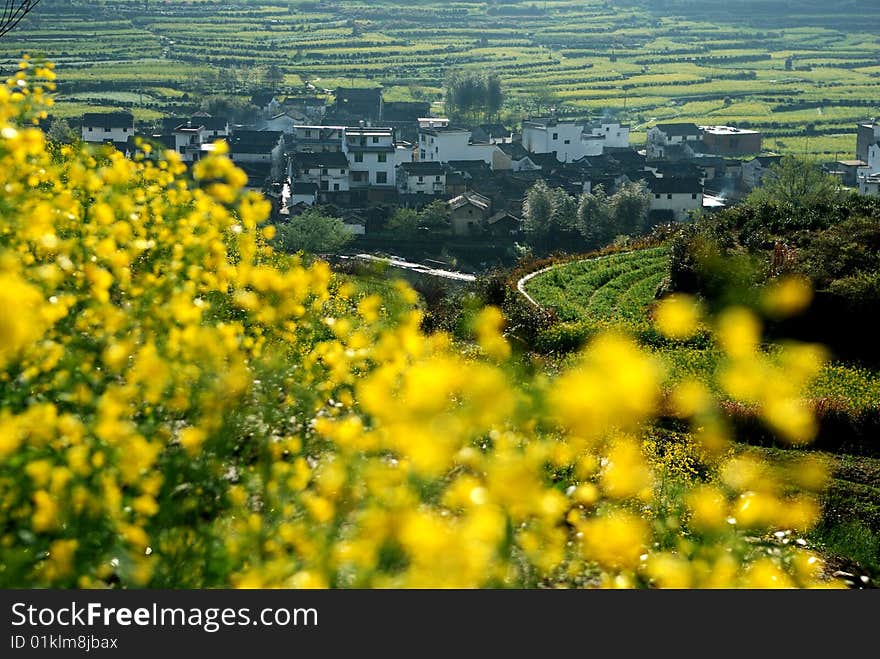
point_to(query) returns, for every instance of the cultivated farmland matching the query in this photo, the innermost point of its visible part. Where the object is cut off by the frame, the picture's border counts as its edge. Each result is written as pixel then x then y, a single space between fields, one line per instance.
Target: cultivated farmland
pixel 617 291
pixel 802 79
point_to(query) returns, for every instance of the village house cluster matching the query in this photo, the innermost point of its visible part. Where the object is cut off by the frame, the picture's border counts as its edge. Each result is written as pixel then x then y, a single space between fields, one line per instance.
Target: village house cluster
pixel 360 151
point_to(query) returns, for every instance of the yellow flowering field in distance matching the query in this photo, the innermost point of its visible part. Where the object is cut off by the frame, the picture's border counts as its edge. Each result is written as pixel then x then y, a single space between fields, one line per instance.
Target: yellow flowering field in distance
pixel 182 406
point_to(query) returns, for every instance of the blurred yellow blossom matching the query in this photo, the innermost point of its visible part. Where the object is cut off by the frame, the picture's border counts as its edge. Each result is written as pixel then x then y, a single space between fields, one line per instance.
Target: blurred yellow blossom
pixel 677 316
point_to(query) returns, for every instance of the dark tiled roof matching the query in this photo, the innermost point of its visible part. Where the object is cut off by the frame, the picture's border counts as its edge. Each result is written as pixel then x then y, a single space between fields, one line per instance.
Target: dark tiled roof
pixel 501 216
pixel 545 160
pixel 439 130
pixel 422 168
pixel 549 122
pixel 304 188
pixel 679 130
pixel 329 159
pixel 469 165
pixel 371 148
pixel 257 172
pixel 675 186
pixel 305 101
pixel 254 141
pixel 108 119
pixel 686 169
pixel 628 157
pixel 212 123
pixel 170 123
pixel 515 150
pixel 766 161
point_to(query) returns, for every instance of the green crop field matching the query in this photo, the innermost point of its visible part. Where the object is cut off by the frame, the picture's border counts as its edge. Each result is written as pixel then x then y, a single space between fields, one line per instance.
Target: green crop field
pixel 752 63
pixel 617 291
pixel 616 287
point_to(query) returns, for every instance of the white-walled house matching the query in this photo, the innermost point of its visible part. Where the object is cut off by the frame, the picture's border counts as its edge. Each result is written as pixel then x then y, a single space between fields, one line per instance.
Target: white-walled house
pixel 615 134
pixel 188 140
pixel 318 139
pixel 256 146
pixel 285 122
pixel 403 152
pixel 445 144
pixel 302 192
pixel 107 126
pixel 867 134
pixel 520 159
pixel 371 156
pixel 870 185
pixel 663 136
pixel 214 127
pixel 421 178
pixel 873 159
pixel 678 195
pixel 573 140
pixel 329 171
pixel 563 137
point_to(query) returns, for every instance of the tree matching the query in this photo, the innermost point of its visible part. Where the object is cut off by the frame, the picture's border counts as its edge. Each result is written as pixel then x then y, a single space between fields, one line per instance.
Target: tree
pixel 13 12
pixel 550 216
pixel 594 219
pixel 471 93
pixel 233 108
pixel 494 95
pixel 274 77
pixel 537 209
pixel 629 209
pixel 60 132
pixel 314 233
pixel 404 222
pixel 544 98
pixel 797 182
pixel 563 220
pixel 435 216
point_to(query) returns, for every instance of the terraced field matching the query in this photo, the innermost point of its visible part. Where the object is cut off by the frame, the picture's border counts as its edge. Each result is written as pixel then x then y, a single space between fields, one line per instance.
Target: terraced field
pixel 751 63
pixel 612 288
pixel 617 290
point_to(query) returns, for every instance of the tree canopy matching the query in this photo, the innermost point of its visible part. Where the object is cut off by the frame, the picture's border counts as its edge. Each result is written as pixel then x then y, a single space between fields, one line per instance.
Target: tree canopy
pixel 313 232
pixel 554 219
pixel 798 182
pixel 473 94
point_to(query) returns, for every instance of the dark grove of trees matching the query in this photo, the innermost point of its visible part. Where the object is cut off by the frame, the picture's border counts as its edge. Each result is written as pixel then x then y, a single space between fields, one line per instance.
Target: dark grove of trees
pixel 555 220
pixel 833 242
pixel 473 94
